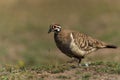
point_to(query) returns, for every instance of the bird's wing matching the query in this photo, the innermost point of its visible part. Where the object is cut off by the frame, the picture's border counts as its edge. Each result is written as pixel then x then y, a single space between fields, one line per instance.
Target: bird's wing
pixel 86 42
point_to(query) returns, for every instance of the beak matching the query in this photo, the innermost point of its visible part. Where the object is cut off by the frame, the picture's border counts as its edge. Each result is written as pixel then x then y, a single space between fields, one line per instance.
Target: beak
pixel 49 31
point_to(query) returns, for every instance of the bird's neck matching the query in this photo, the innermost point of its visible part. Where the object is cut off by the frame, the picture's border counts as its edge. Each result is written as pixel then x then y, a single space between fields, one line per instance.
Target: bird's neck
pixel 56 33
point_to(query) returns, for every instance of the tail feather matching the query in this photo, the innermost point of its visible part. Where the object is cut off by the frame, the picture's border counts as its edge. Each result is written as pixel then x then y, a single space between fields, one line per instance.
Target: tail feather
pixel 111 46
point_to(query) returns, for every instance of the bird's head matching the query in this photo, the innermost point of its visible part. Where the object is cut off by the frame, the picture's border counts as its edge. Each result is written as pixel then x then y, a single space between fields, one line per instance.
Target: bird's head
pixel 54 28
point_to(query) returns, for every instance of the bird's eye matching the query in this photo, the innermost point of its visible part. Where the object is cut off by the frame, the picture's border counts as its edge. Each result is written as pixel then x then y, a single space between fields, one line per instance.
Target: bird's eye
pixel 54 26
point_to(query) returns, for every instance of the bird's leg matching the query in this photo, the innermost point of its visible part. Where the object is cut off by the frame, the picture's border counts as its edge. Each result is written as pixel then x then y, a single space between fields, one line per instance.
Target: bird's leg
pixel 79 62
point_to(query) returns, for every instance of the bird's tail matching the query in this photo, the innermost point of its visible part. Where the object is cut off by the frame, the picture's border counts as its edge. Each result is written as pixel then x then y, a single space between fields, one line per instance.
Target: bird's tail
pixel 111 46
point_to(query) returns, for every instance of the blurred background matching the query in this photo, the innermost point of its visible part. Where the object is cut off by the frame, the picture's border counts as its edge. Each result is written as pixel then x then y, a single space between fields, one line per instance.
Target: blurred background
pixel 24 25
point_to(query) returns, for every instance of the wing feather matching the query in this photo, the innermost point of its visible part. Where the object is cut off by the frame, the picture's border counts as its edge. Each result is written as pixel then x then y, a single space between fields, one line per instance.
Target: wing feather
pixel 86 42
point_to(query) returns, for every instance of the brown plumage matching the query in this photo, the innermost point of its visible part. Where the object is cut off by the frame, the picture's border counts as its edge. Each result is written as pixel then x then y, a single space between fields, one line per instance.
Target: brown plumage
pixel 76 44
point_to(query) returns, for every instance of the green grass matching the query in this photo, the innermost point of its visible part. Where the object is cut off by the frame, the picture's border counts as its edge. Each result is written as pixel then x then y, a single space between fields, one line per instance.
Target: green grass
pixel 86 77
pixel 107 67
pixel 63 77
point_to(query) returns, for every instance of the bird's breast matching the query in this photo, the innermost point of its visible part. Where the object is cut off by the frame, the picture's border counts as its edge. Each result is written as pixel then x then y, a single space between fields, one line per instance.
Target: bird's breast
pixel 63 43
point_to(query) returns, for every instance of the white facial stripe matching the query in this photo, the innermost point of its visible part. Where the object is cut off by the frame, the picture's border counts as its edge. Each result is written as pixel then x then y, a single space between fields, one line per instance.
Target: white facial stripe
pixel 57 29
pixel 59 26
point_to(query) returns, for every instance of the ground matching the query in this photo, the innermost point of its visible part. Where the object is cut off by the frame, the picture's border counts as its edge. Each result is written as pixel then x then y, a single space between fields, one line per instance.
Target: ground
pixel 70 71
pixel 96 71
pixel 99 68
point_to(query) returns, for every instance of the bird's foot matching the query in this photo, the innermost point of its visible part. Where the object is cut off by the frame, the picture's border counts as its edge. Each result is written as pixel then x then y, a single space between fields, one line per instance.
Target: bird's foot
pixel 86 64
pixel 79 65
